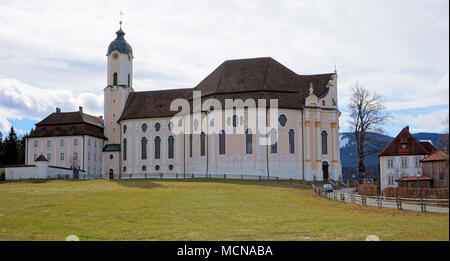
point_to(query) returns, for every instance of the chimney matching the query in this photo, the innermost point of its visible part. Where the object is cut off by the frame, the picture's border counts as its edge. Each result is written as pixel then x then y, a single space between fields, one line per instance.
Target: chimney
pixel 407 127
pixel 80 109
pixel 58 110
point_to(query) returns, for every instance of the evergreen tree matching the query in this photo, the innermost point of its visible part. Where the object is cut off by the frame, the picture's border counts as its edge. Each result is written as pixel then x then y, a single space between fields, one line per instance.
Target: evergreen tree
pixel 11 148
pixel 2 150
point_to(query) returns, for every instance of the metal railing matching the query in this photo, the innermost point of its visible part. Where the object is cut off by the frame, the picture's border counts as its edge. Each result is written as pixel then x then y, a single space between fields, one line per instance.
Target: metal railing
pixel 380 200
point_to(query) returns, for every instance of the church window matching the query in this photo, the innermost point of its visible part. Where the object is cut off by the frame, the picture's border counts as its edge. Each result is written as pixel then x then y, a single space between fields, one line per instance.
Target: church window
pixel 190 145
pixel 235 120
pixel 157 167
pixel 115 78
pixel 75 156
pixel 157 147
pixel 248 141
pixel 291 141
pixel 170 167
pixel 36 143
pixel 124 149
pixel 75 141
pixel 157 126
pixel 128 80
pixel 202 144
pixel 49 156
pixel 49 143
pixel 61 156
pixel 171 146
pixel 144 148
pixel 170 126
pixel 324 143
pixel 89 156
pixel 323 102
pixel 222 142
pixel 124 169
pixel 124 129
pixel 144 168
pixel 144 127
pixel 34 156
pixel 273 141
pixel 61 142
pixel 111 156
pixel 282 120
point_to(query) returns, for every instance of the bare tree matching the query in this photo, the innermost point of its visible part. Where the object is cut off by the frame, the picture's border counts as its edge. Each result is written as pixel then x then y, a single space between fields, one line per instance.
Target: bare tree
pixel 367 117
pixel 443 142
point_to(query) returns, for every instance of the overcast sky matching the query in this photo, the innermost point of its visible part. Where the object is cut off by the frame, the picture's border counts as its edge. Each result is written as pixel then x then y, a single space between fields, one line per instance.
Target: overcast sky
pixel 52 53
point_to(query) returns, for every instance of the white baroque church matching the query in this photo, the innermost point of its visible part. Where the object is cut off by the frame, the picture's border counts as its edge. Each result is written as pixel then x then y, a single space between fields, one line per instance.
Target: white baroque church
pixel 136 138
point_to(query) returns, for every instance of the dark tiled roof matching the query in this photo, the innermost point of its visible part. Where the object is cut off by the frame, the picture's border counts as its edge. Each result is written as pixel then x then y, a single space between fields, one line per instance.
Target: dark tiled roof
pixel 258 78
pixel 412 178
pixel 112 147
pixel 69 124
pixel 414 147
pixel 436 156
pixel 41 158
pixel 70 118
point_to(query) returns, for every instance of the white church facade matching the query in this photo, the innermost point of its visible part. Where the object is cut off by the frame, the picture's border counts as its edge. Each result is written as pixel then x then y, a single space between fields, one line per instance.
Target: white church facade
pixel 137 133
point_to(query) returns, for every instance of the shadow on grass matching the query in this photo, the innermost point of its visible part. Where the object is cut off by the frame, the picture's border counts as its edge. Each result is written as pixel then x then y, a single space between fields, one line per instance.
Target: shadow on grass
pixel 151 183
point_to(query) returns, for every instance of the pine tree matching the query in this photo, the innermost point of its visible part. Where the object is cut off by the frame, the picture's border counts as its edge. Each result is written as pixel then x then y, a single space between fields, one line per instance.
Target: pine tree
pixel 2 150
pixel 11 148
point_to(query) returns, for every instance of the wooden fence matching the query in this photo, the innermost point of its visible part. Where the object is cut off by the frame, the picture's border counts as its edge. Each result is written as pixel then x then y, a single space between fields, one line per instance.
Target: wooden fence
pixel 380 200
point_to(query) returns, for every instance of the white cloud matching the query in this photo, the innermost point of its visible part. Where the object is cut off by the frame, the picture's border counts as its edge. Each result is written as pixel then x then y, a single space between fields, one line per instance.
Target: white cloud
pixel 397 48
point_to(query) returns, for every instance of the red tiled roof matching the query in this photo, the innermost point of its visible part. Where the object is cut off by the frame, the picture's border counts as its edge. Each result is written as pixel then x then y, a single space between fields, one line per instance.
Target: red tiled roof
pixel 414 147
pixel 412 178
pixel 436 156
pixel 257 78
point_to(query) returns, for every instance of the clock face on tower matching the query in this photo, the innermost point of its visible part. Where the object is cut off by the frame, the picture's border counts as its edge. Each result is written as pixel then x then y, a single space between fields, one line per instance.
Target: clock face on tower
pixel 115 56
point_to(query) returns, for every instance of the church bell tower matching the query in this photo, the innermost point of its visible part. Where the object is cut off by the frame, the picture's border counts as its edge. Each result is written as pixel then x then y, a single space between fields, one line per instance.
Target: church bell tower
pixel 119 84
pixel 118 88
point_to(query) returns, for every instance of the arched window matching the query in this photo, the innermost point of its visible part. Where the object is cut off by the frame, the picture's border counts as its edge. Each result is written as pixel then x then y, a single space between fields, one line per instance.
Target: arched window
pixel 282 120
pixel 291 141
pixel 324 142
pixel 222 142
pixel 115 78
pixel 190 145
pixel 124 129
pixel 171 147
pixel 144 148
pixel 128 80
pixel 124 149
pixel 248 141
pixel 157 147
pixel 273 141
pixel 202 144
pixel 157 126
pixel 235 120
pixel 144 127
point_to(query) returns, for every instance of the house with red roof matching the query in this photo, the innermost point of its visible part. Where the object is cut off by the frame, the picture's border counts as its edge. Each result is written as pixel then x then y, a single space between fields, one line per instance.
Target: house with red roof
pixel 401 161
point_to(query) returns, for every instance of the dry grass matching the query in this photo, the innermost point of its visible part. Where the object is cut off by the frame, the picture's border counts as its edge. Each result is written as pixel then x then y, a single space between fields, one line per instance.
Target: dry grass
pixel 198 210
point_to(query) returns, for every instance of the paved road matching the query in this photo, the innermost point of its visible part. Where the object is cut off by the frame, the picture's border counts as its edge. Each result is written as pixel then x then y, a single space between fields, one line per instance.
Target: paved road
pixel 373 202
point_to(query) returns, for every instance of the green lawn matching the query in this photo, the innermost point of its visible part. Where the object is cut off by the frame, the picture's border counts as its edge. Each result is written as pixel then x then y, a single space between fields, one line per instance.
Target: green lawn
pixel 198 210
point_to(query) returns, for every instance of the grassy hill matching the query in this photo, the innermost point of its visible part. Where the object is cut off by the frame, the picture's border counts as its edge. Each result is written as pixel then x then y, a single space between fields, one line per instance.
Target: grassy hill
pixel 202 209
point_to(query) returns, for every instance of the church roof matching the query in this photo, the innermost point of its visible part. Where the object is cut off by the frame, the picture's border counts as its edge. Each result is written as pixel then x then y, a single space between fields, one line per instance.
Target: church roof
pixel 413 146
pixel 120 44
pixel 257 78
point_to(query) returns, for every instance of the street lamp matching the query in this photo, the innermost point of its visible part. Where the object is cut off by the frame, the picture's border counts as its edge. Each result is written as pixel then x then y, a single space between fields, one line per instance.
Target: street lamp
pixel 418 184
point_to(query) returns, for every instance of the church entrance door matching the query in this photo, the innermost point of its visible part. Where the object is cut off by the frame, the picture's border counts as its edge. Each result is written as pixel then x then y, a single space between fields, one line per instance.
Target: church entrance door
pixel 325 170
pixel 111 174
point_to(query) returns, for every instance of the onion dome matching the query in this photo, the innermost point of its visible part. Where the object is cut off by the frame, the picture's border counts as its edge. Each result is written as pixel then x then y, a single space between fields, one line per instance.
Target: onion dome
pixel 120 44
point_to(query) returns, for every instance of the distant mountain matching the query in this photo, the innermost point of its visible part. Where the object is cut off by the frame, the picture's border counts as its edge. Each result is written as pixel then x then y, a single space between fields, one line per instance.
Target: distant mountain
pixel 349 154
